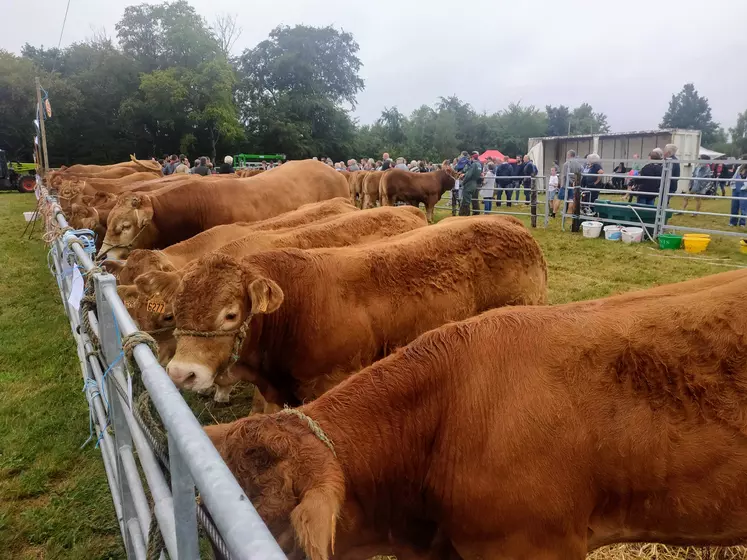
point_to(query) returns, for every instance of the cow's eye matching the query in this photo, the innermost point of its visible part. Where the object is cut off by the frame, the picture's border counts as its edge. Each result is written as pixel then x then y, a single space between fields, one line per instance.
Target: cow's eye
pixel 168 317
pixel 230 316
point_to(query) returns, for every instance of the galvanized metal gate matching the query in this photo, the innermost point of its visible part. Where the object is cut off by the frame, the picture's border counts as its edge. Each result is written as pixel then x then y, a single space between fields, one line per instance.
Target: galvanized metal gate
pixel 172 475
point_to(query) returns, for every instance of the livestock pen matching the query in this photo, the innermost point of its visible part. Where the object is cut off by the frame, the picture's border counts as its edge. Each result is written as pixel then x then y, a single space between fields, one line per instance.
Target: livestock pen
pixel 579 269
pixel 116 360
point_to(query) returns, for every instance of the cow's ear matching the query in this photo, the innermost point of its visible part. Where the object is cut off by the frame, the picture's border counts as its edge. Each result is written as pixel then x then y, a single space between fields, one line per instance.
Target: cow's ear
pixel 218 434
pixel 314 520
pixel 128 294
pixel 158 282
pixel 87 200
pixel 113 267
pixel 266 296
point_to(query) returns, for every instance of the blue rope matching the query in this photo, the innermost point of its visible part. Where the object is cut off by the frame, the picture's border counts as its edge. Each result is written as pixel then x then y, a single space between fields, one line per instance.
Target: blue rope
pixel 103 377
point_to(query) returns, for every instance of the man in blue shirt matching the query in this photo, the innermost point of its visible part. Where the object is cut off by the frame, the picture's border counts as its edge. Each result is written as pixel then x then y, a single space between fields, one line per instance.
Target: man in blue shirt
pixel 670 152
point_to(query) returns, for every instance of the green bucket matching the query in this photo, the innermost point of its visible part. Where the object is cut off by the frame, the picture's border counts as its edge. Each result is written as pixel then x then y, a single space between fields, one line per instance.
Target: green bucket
pixel 670 241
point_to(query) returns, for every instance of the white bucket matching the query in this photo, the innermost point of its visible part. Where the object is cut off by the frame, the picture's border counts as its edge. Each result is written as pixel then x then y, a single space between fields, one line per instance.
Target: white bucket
pixel 632 234
pixel 613 233
pixel 591 229
pixel 30 216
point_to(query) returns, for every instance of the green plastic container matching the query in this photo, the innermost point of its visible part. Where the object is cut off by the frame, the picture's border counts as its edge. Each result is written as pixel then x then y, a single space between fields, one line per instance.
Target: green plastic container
pixel 670 241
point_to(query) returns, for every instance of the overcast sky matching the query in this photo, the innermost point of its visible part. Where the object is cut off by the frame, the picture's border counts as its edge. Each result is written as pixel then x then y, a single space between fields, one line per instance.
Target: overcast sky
pixel 625 58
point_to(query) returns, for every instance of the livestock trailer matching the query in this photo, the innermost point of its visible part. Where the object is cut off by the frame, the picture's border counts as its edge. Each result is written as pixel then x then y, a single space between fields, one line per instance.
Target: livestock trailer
pixel 616 147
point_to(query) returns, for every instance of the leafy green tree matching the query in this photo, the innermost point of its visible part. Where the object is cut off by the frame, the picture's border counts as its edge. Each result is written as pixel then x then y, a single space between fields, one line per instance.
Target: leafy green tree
pixel 739 134
pixel 689 110
pixel 585 121
pixel 17 106
pixel 558 120
pixel 291 87
pixel 516 125
pixel 160 36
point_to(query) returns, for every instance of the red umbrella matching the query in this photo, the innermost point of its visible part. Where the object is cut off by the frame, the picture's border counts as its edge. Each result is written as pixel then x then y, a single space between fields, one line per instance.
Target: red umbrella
pixel 495 154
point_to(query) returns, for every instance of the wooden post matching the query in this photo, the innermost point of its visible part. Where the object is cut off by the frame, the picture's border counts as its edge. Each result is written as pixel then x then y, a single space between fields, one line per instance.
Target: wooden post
pixel 44 164
pixel 533 203
pixel 576 224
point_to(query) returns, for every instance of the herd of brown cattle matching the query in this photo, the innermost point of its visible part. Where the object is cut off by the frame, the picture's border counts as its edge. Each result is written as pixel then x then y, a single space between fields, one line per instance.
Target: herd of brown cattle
pixel 444 411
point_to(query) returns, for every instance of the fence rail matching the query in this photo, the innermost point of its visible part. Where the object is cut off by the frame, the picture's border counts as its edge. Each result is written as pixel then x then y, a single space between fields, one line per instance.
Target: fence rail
pixel 190 461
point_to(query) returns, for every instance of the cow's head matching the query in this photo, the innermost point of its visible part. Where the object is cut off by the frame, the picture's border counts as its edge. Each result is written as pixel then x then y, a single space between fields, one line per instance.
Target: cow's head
pixel 140 261
pixel 152 315
pixel 216 295
pixel 129 226
pixel 83 217
pixel 293 480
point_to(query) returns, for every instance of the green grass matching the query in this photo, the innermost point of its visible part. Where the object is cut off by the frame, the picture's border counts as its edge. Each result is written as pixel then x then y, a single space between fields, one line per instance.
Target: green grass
pixel 54 500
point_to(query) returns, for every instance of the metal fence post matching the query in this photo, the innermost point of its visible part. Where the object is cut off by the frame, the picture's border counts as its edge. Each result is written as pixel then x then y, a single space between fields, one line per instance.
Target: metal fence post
pixel 533 203
pixel 185 506
pixel 112 351
pixel 661 208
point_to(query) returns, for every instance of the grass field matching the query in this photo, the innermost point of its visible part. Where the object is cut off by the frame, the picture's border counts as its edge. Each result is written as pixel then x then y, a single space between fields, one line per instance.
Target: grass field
pixel 54 500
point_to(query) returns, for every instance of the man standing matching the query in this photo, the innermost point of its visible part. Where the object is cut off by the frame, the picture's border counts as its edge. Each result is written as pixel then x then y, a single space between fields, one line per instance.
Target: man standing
pixel 386 162
pixel 569 178
pixel 401 164
pixel 353 165
pixel 470 182
pixel 202 169
pixel 503 181
pixel 670 152
pixel 529 171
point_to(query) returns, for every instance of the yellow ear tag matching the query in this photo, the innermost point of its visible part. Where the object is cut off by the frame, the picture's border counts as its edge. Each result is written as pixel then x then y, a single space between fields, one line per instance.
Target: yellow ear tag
pixel 156 306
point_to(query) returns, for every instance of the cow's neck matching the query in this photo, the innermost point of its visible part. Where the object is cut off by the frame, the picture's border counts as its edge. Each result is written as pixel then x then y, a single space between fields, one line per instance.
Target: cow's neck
pixel 389 413
pixel 178 214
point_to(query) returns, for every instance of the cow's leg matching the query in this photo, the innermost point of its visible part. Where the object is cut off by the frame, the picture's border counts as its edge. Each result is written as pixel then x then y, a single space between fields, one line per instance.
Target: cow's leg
pixel 366 201
pixel 429 212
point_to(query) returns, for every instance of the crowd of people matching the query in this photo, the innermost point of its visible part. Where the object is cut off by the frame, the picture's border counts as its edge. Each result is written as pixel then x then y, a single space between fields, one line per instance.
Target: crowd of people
pixel 488 182
pixel 203 166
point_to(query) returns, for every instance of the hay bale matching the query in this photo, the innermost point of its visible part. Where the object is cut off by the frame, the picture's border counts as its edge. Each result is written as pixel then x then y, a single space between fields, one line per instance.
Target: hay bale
pixel 650 551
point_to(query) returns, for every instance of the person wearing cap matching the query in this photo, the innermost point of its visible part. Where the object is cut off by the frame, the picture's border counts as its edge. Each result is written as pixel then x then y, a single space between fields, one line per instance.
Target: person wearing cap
pixel 471 182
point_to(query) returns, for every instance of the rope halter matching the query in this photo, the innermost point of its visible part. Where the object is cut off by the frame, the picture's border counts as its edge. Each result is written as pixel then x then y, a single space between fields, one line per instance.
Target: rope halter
pixel 314 426
pixel 239 335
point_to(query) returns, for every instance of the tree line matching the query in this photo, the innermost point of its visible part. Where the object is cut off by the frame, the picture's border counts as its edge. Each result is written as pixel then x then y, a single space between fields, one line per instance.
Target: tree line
pixel 170 85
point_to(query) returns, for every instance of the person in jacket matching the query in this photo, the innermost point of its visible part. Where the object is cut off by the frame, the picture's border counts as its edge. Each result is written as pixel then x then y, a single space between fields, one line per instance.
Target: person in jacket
pixel 202 169
pixel 504 181
pixel 699 183
pixel 471 181
pixel 227 166
pixel 487 191
pixel 670 153
pixel 739 203
pixel 726 172
pixel 649 180
pixel 570 176
pixel 591 179
pixel 529 172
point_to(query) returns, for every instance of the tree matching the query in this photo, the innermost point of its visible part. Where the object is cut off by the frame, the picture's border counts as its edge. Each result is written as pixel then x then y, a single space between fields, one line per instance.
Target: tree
pixel 558 120
pixel 739 134
pixel 291 87
pixel 689 110
pixel 516 125
pixel 585 121
pixel 17 106
pixel 227 31
pixel 159 36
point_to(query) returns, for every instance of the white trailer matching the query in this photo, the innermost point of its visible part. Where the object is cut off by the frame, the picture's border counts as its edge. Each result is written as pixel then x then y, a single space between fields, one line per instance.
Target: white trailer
pixel 616 147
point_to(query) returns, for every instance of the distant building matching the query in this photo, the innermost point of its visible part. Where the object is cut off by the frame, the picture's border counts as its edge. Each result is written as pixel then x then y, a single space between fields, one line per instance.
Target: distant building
pixel 616 147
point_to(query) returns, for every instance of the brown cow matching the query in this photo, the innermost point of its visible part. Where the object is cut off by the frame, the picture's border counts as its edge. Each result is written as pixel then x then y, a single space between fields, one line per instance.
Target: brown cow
pixel 179 255
pixel 316 316
pixel 617 420
pixel 370 189
pixel 356 187
pixel 415 188
pixel 55 178
pixel 338 231
pixel 157 221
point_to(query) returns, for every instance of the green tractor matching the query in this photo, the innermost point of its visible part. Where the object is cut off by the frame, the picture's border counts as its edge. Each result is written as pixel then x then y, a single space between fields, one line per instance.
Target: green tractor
pixel 16 176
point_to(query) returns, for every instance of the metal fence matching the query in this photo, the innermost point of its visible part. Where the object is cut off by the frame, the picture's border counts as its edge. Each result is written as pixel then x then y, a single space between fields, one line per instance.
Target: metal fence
pixel 107 342
pixel 535 204
pixel 651 210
